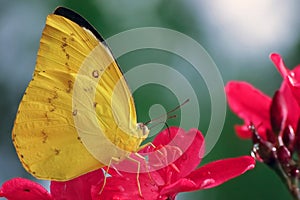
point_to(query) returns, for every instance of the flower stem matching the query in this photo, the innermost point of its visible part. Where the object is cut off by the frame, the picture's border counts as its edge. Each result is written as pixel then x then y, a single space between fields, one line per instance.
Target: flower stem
pixel 292 183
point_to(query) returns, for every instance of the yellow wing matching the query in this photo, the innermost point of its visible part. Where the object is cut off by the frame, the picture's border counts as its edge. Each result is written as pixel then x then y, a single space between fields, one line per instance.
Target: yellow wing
pixel 77 108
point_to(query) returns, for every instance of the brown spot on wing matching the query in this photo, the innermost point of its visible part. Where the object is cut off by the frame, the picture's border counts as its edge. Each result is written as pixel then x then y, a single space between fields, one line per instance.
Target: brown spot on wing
pixel 72 35
pixel 52 109
pixel 70 86
pixel 74 113
pixel 95 104
pixel 64 46
pixel 45 136
pixel 56 151
pixel 95 73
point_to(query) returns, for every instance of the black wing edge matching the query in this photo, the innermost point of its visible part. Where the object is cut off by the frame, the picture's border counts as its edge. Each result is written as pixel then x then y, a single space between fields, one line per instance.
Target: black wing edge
pixel 75 17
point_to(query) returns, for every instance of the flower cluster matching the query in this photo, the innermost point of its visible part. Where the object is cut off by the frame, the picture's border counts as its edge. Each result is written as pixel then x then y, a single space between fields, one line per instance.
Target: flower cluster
pixel 271 123
pixel 163 178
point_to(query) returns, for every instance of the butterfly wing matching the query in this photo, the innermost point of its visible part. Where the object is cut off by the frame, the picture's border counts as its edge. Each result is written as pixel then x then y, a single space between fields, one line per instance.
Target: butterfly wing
pixel 77 105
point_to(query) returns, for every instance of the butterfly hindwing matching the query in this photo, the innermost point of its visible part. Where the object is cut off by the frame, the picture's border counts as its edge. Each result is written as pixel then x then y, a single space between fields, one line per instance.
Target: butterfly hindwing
pixel 71 60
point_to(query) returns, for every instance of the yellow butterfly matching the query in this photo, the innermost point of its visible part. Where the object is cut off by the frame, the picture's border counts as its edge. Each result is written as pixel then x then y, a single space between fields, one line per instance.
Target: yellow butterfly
pixel 77 113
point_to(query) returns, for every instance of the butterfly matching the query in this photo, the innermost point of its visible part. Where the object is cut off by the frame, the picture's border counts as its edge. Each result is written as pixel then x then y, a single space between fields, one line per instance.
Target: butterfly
pixel 77 113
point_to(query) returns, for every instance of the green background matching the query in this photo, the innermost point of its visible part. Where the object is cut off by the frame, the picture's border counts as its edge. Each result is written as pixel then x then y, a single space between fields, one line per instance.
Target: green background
pixel 238 36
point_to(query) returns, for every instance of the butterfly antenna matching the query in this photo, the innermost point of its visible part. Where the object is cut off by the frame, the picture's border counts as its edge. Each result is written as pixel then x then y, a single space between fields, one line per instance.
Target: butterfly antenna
pixel 169 133
pixel 161 122
pixel 168 113
pixel 168 128
pixel 179 106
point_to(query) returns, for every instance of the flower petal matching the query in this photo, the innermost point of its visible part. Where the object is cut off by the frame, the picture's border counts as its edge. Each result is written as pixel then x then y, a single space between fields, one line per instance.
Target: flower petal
pixel 218 172
pixel 294 83
pixel 286 107
pixel 23 189
pixel 78 188
pixel 183 149
pixel 278 62
pixel 181 185
pixel 124 186
pixel 211 175
pixel 243 131
pixel 289 93
pixel 285 101
pixel 291 99
pixel 250 104
pixel 167 135
pixel 192 156
pixel 291 77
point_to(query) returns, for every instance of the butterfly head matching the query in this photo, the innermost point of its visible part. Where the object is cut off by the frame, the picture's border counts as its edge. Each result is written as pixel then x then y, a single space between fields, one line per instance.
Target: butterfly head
pixel 142 130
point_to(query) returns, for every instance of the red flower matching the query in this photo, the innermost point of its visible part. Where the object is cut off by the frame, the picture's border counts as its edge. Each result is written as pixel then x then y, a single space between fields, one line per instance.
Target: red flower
pixel 251 105
pixel 272 117
pixel 78 188
pixel 23 189
pixel 273 124
pixel 168 176
pixel 171 169
pixel 291 77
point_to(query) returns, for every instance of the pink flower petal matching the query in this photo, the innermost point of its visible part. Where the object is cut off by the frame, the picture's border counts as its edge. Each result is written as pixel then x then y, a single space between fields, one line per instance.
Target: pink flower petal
pixel 291 77
pixel 181 185
pixel 243 131
pixel 167 135
pixel 294 76
pixel 218 172
pixel 294 83
pixel 124 186
pixel 285 103
pixel 291 105
pixel 278 62
pixel 78 188
pixel 192 156
pixel 167 182
pixel 183 149
pixel 23 189
pixel 250 104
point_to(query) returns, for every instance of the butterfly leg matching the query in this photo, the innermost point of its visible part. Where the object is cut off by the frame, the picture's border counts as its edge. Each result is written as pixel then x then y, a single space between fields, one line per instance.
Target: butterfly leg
pixel 106 171
pixel 149 144
pixel 118 160
pixel 159 153
pixel 105 175
pixel 146 145
pixel 138 171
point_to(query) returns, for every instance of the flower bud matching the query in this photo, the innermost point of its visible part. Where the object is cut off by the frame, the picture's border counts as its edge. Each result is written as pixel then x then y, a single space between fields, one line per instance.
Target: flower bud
pixel 271 137
pixel 288 138
pixel 283 155
pixel 294 171
pixel 278 111
pixel 297 139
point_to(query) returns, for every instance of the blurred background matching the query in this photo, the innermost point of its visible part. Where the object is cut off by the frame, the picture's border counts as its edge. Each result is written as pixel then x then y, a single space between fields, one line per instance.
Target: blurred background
pixel 238 35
